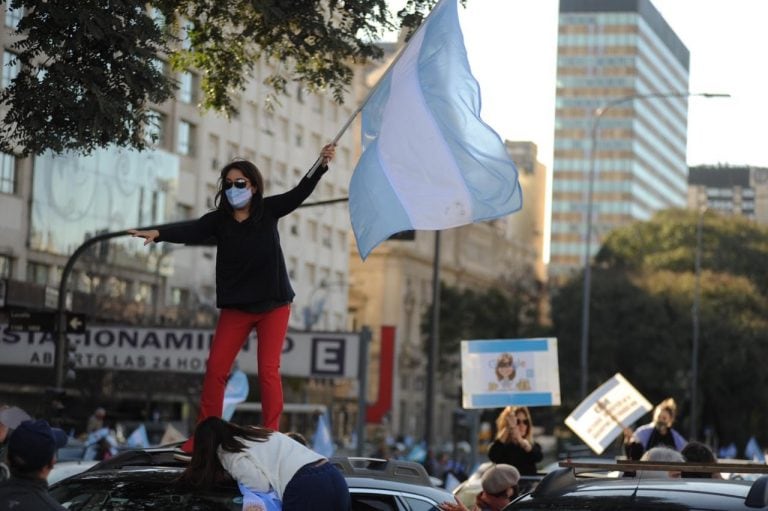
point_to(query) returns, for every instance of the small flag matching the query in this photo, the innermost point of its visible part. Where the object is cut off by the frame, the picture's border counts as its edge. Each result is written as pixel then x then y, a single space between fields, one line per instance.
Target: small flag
pixel 322 442
pixel 429 161
pixel 138 438
pixel 753 451
pixel 235 393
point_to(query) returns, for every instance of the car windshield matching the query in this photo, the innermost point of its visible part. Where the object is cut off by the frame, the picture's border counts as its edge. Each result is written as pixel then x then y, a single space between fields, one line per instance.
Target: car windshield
pixel 155 494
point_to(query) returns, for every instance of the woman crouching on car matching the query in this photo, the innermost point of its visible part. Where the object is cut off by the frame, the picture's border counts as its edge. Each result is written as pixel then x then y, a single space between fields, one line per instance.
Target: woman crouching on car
pixel 264 460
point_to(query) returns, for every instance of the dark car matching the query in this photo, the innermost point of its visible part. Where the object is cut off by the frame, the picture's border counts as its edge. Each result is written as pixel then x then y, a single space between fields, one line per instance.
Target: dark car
pixel 564 489
pixel 146 480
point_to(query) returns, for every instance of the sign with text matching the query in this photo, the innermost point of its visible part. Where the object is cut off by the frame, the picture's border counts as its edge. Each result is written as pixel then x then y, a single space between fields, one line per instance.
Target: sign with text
pixel 23 321
pixel 604 414
pixel 305 354
pixel 504 372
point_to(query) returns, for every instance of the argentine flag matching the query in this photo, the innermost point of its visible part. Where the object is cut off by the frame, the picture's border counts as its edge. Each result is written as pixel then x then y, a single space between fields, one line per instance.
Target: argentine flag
pixel 429 161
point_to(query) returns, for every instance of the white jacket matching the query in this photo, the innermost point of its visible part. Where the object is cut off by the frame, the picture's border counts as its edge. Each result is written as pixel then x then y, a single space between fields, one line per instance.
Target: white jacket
pixel 270 463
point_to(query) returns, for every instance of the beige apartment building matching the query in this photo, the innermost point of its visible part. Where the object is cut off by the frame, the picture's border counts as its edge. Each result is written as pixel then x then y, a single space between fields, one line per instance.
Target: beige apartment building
pixel 393 287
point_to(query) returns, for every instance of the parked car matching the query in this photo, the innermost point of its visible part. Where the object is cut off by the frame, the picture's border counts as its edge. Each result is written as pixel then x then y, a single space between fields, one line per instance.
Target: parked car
pixel 564 489
pixel 146 479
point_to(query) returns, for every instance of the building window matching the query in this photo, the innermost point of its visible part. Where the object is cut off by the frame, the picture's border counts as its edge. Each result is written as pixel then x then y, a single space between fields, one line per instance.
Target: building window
pixel 180 296
pixel 5 267
pixel 186 138
pixel 187 87
pixel 38 273
pixel 299 136
pixel 12 16
pixel 11 67
pixel 7 173
pixel 155 128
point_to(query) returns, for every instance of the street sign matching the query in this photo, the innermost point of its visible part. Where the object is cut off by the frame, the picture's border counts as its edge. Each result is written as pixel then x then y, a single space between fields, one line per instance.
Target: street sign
pixel 24 321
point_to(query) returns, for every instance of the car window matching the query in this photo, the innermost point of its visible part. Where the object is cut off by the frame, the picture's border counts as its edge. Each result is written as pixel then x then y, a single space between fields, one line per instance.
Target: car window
pixel 369 502
pixel 414 504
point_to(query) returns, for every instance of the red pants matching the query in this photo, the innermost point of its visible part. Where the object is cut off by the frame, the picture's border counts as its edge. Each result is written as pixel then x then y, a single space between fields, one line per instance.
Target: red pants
pixel 231 332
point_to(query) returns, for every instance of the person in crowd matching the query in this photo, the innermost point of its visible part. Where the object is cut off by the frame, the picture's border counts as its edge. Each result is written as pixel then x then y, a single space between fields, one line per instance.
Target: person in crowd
pixel 700 454
pixel 262 460
pixel 514 444
pixel 499 486
pixel 10 417
pixel 252 285
pixel 96 420
pixel 660 431
pixel 661 453
pixel 31 455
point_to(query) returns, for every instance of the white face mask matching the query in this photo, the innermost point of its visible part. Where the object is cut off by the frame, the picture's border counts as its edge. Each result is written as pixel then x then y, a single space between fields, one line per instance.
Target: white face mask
pixel 238 197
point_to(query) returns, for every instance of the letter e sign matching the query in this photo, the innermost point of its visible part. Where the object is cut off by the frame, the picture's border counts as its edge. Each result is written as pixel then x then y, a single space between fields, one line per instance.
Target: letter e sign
pixel 328 356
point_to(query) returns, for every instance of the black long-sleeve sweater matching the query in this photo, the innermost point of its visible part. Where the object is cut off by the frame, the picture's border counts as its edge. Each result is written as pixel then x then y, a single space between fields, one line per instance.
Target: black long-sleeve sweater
pixel 250 267
pixel 513 454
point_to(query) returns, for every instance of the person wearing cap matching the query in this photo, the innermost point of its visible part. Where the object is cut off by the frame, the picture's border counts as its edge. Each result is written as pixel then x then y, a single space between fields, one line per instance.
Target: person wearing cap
pixel 10 418
pixel 499 487
pixel 31 455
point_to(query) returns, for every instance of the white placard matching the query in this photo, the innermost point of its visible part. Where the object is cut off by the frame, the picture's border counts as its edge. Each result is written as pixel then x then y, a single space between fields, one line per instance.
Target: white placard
pixel 504 372
pixel 602 416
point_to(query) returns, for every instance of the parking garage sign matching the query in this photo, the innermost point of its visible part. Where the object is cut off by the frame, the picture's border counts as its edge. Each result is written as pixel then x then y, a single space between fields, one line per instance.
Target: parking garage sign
pixel 305 354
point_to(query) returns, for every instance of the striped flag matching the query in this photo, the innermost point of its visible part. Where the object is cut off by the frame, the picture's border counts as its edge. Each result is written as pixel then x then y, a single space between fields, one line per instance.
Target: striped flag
pixel 429 161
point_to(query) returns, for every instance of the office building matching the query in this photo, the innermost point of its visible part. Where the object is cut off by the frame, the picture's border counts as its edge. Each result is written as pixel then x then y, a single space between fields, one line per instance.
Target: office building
pixel 610 51
pixel 730 190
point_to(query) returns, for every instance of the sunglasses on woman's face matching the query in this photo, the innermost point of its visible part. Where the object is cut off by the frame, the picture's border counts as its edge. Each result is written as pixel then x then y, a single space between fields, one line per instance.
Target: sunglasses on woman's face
pixel 237 183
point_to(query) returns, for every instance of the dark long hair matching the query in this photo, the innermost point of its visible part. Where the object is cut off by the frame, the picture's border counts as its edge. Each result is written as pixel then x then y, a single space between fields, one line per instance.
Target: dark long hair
pixel 205 469
pixel 253 175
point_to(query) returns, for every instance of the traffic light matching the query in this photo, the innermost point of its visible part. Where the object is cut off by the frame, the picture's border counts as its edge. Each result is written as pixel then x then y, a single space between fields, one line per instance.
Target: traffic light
pixel 70 360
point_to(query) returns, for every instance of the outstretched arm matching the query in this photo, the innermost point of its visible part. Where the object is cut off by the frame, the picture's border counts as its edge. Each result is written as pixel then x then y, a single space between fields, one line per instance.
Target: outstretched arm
pixel 149 236
pixel 285 203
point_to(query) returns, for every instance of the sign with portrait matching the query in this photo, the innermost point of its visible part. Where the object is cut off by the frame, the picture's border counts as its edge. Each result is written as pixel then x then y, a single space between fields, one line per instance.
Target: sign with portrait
pixel 503 372
pixel 604 414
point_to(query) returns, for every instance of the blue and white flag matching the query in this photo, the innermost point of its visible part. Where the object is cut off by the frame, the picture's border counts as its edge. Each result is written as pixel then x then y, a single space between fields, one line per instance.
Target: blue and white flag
pixel 138 438
pixel 235 393
pixel 753 451
pixel 322 442
pixel 429 161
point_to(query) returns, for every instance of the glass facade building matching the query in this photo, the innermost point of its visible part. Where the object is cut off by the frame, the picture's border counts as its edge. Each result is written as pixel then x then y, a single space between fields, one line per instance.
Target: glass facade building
pixel 613 54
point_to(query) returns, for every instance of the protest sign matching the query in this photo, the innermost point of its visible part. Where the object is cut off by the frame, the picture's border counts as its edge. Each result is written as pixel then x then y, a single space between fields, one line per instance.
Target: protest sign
pixel 504 372
pixel 604 414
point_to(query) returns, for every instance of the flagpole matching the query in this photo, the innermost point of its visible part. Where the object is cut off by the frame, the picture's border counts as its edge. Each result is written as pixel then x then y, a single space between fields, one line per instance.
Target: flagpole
pixel 373 89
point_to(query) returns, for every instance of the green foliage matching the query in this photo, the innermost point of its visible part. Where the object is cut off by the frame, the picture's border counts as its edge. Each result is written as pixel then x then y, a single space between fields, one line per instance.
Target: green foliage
pixel 641 321
pixel 511 309
pixel 88 71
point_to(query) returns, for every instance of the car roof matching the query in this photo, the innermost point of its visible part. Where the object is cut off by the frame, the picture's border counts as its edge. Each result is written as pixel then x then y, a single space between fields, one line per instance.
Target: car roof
pixel 362 474
pixel 564 487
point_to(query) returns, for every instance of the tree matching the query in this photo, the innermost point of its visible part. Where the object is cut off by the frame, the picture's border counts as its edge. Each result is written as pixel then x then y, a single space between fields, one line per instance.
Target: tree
pixel 510 309
pixel 89 69
pixel 641 322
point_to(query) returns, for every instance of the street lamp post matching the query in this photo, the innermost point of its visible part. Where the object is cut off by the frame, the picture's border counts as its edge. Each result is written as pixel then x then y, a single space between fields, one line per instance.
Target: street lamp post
pixel 596 117
pixel 695 313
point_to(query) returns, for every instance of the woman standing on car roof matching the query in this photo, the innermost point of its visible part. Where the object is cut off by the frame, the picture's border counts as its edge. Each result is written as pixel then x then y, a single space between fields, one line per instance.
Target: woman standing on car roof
pixel 252 285
pixel 264 460
pixel 514 443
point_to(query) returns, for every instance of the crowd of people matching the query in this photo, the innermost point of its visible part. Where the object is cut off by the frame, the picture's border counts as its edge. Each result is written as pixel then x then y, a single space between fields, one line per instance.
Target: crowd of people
pixel 266 462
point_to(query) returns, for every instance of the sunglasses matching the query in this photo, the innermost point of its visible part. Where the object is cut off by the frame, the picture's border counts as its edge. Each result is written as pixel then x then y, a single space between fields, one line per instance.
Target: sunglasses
pixel 237 183
pixel 523 421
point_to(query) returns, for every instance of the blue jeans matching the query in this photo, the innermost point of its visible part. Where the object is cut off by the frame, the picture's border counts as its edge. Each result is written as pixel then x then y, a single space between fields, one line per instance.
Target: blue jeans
pixel 317 488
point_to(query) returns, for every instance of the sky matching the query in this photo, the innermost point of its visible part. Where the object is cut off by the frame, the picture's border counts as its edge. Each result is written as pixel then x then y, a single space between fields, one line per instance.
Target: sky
pixel 512 47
